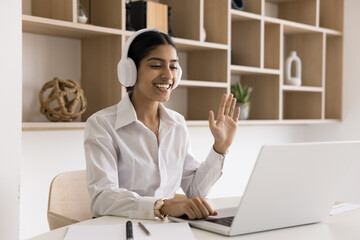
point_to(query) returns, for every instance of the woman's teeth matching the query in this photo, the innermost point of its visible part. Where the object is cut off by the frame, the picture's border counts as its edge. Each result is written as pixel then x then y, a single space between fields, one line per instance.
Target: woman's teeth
pixel 162 86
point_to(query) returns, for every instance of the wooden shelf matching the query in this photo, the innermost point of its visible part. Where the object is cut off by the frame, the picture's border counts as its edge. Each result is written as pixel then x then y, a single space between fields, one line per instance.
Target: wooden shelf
pixel 289 26
pixel 287 122
pixel 42 126
pixel 187 45
pixel 250 46
pixel 302 88
pixel 237 15
pixel 53 27
pixel 253 70
pixel 190 83
pixel 271 122
pixel 48 126
pixel 193 45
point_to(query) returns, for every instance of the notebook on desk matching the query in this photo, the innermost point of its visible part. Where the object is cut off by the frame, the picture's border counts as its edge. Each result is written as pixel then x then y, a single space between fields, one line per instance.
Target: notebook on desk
pixel 290 185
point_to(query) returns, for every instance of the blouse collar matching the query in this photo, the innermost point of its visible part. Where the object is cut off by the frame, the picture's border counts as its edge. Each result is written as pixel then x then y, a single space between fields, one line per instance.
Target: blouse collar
pixel 126 113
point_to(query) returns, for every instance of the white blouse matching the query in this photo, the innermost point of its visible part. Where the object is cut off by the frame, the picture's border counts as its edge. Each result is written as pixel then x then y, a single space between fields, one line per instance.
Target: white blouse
pixel 127 170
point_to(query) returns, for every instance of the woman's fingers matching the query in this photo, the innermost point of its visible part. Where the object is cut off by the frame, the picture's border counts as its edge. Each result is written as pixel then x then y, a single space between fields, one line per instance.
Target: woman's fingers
pixel 237 114
pixel 198 208
pixel 228 104
pixel 194 208
pixel 208 207
pixel 232 108
pixel 221 107
pixel 211 120
pixel 190 213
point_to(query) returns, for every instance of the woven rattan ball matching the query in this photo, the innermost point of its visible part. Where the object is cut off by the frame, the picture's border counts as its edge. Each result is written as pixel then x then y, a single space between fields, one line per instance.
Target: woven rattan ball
pixel 64 103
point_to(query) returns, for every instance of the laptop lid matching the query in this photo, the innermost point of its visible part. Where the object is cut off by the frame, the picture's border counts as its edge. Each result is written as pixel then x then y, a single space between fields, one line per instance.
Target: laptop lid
pixel 293 184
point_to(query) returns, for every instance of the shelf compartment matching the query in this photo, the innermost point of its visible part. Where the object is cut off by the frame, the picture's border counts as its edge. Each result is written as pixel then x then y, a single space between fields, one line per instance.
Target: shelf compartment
pixel 302 105
pixel 246 43
pixel 251 6
pixel 210 65
pixel 202 100
pixel 332 14
pixel 185 19
pixel 296 11
pixel 105 13
pixel 54 9
pixel 295 27
pixel 272 46
pixel 333 76
pixel 309 48
pixel 46 26
pixel 102 13
pixel 264 97
pixel 99 58
pixel 194 103
pixel 216 21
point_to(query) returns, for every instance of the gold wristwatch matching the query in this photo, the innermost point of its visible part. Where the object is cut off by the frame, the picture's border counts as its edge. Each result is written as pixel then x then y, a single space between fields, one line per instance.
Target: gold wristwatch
pixel 157 207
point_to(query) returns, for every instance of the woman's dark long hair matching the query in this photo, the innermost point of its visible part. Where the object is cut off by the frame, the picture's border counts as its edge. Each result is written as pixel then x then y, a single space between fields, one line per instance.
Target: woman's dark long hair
pixel 143 44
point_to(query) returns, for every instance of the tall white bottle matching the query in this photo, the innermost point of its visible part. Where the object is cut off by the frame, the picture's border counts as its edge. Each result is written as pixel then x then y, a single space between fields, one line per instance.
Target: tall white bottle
pixel 293 80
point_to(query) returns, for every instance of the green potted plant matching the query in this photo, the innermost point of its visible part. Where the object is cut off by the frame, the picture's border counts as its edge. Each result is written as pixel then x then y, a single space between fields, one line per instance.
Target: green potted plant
pixel 242 95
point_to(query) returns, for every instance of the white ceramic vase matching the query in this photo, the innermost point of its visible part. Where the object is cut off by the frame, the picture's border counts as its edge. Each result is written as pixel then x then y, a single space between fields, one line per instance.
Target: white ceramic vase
pixel 203 35
pixel 293 80
pixel 244 110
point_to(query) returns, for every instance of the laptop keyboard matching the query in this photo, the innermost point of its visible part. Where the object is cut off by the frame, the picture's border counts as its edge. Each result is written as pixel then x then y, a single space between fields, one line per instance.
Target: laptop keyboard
pixel 226 221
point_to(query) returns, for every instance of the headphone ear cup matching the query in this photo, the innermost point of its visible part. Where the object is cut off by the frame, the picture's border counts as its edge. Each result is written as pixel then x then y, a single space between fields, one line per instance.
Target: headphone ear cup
pixel 127 72
pixel 178 76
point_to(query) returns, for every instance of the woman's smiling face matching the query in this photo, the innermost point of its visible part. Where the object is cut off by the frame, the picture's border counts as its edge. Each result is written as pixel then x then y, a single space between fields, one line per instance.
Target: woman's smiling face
pixel 157 74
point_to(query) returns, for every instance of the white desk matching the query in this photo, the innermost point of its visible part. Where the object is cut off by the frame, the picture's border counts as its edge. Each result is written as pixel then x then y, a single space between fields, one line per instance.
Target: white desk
pixel 345 226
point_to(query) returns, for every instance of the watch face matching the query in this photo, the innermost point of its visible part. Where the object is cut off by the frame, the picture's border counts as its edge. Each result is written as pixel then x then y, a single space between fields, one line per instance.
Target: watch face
pixel 158 204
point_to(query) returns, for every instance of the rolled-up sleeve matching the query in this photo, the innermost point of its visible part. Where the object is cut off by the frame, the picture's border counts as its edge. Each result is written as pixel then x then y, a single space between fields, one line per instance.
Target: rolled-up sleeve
pixel 102 176
pixel 197 179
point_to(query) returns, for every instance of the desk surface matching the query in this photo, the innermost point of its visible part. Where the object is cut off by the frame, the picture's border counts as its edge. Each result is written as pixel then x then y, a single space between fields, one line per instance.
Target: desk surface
pixel 338 227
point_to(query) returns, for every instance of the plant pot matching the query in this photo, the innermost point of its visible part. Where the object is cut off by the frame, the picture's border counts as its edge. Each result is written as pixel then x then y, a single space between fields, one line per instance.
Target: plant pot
pixel 244 110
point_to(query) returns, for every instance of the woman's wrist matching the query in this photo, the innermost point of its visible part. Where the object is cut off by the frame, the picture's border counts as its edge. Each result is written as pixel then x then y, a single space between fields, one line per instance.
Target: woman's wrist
pixel 220 149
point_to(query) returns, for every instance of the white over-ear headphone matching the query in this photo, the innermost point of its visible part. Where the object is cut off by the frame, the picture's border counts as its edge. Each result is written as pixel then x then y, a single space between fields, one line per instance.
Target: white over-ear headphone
pixel 126 69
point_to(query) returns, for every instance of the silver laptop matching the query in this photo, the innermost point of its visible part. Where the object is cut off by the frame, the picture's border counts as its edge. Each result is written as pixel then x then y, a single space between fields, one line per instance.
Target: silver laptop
pixel 290 185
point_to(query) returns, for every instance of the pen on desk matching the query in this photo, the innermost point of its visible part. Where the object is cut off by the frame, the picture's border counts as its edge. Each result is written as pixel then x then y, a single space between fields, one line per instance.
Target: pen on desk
pixel 144 229
pixel 129 231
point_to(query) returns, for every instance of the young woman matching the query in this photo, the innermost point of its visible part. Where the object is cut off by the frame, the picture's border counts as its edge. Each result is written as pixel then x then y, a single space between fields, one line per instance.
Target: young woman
pixel 138 152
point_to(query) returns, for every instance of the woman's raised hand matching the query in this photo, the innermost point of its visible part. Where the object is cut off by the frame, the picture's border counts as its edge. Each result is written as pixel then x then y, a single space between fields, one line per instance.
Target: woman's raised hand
pixel 224 128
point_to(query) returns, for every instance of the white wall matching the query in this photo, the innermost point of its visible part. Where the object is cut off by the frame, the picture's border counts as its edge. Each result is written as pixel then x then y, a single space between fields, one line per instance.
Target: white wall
pixel 45 154
pixel 349 129
pixel 10 121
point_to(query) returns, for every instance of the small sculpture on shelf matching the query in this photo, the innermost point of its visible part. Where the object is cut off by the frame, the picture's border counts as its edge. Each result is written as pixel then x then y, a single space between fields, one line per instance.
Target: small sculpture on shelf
pixel 293 80
pixel 82 15
pixel 242 95
pixel 65 102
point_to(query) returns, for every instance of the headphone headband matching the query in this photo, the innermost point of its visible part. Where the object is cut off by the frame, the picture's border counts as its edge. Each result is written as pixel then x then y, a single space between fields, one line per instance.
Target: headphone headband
pixel 127 72
pixel 128 42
